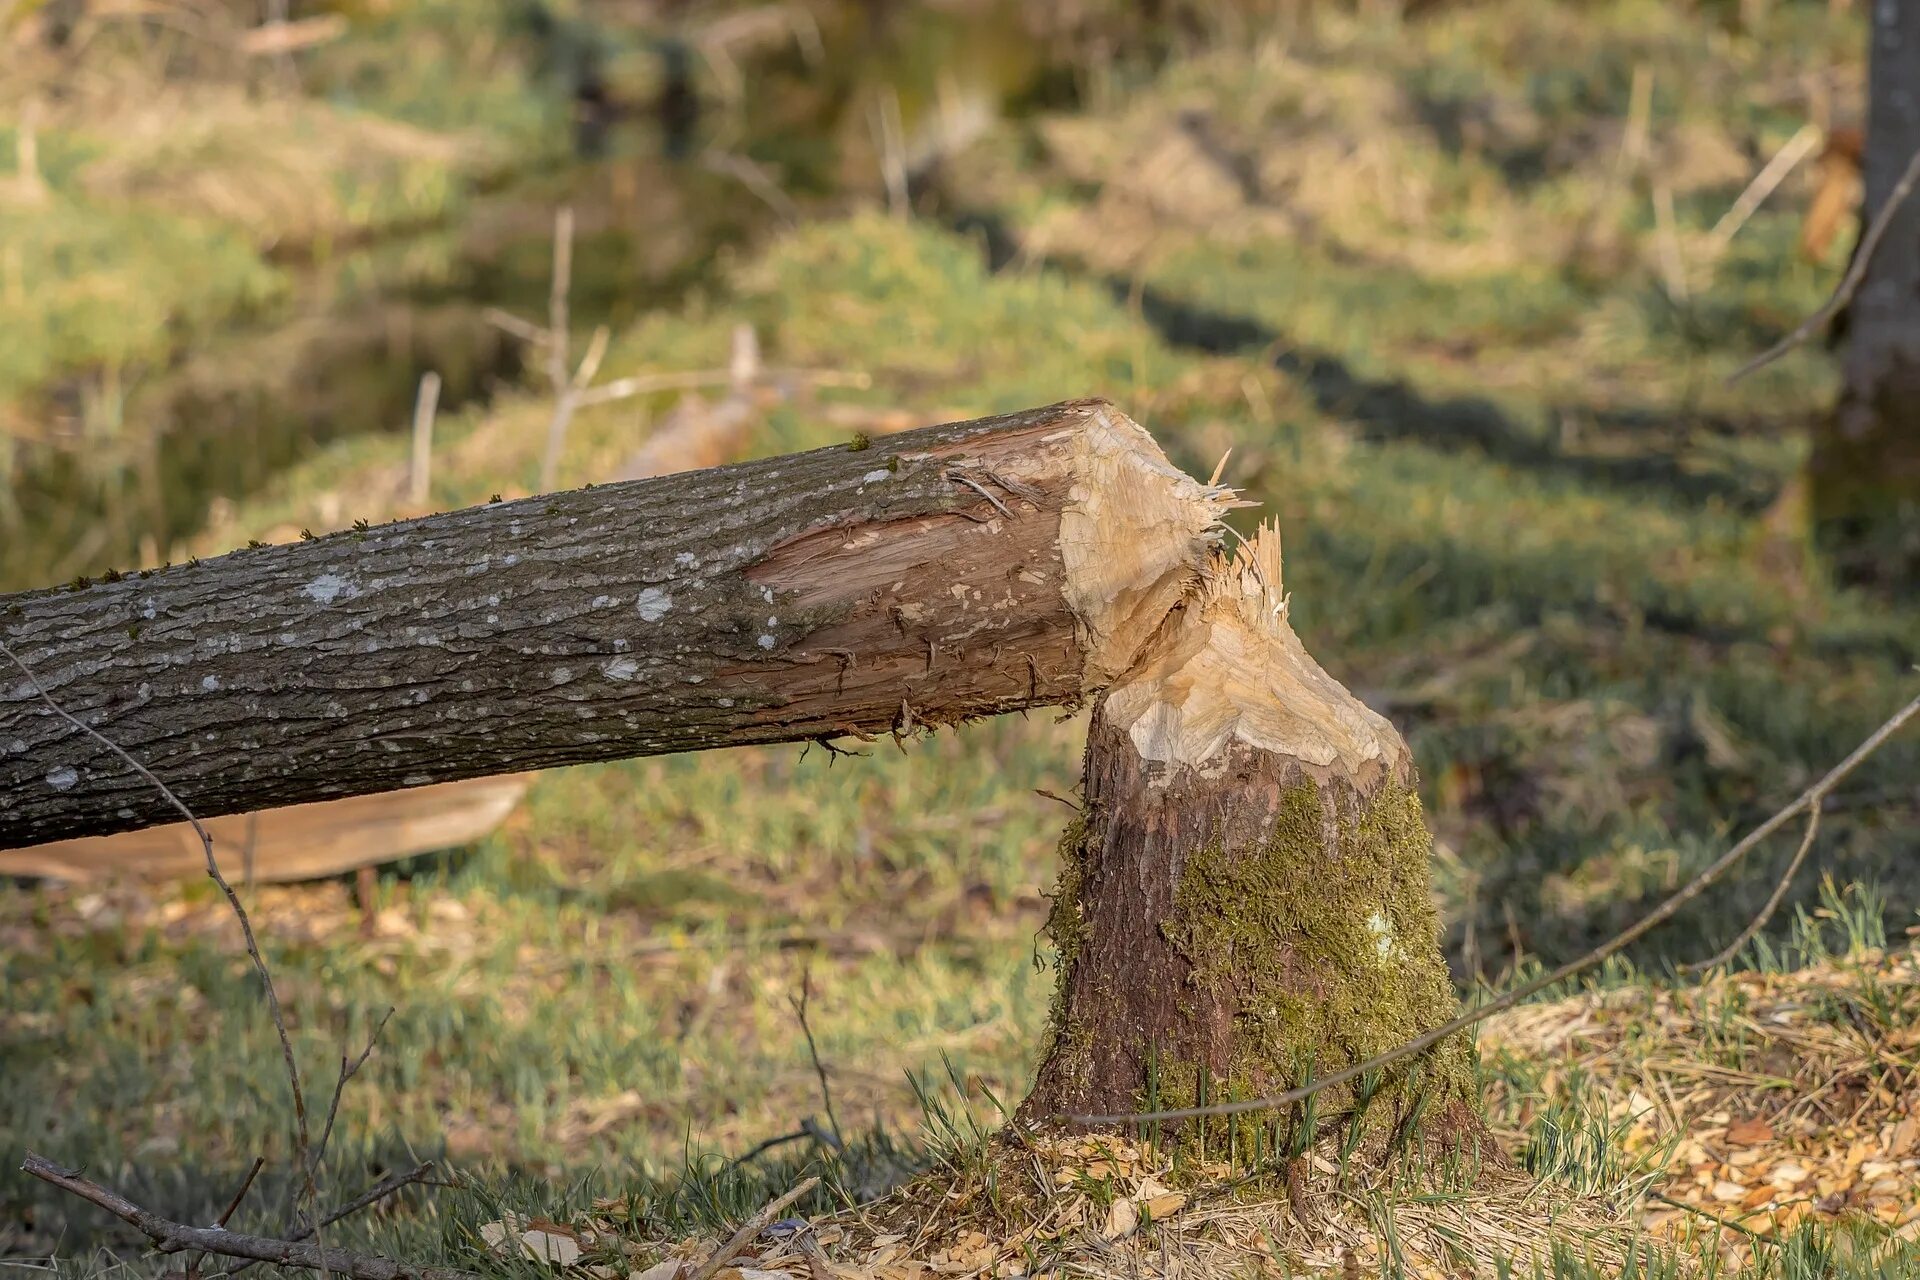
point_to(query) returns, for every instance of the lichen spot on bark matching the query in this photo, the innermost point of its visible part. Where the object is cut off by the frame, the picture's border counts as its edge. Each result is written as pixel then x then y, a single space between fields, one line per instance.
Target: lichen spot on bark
pixel 653 604
pixel 329 587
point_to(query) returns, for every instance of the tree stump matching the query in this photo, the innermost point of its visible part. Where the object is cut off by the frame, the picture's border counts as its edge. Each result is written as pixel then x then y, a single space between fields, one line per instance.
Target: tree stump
pixel 1245 900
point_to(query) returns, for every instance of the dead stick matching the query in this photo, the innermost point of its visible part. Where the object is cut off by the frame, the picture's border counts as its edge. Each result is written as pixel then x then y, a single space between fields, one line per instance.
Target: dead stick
pixel 813 1052
pixel 420 472
pixel 175 1237
pixel 565 394
pixel 749 1229
pixel 246 1185
pixel 1774 899
pixel 1714 1218
pixel 1659 915
pixel 371 1196
pixel 1850 283
pixel 347 1071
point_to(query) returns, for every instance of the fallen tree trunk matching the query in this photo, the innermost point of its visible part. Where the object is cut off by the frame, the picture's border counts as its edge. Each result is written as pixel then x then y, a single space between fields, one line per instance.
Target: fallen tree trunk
pixel 1246 902
pixel 955 572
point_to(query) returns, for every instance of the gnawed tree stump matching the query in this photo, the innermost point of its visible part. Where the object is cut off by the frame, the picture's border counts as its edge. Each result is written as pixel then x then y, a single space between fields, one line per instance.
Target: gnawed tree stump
pixel 953 572
pixel 1245 901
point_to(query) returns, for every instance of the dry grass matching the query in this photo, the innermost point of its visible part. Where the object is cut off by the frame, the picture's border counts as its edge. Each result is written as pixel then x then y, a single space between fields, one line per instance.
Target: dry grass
pixel 1100 1206
pixel 1768 1099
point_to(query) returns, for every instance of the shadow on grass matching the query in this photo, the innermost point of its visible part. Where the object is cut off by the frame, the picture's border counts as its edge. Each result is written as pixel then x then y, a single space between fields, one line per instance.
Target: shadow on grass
pixel 1393 408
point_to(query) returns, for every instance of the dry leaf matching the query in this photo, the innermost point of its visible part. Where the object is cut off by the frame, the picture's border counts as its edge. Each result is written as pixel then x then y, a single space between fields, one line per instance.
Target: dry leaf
pixel 1788 1175
pixel 667 1270
pixel 1160 1208
pixel 549 1242
pixel 1749 1132
pixel 1122 1218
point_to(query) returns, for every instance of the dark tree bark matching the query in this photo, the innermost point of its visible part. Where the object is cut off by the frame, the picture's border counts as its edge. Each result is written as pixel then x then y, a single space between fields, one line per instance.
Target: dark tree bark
pixel 1865 469
pixel 953 572
pixel 1246 900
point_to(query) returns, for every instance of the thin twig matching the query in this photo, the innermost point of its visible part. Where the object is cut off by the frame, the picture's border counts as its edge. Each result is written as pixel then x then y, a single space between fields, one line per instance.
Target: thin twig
pixel 1673 262
pixel 648 383
pixel 420 473
pixel 890 134
pixel 559 290
pixel 755 179
pixel 1791 153
pixel 1774 900
pixel 1850 283
pixel 1714 1218
pixel 175 1237
pixel 565 394
pixel 246 1185
pixel 531 334
pixel 766 1145
pixel 749 1229
pixel 347 1071
pixel 371 1196
pixel 301 1131
pixel 813 1052
pixel 590 363
pixel 1613 946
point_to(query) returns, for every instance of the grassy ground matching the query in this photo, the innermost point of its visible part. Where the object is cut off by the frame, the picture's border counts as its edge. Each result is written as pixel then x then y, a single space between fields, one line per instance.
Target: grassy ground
pixel 1414 277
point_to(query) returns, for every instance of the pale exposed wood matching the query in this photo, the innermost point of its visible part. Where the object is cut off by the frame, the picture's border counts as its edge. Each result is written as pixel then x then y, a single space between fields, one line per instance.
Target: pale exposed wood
pixel 941 575
pixel 296 842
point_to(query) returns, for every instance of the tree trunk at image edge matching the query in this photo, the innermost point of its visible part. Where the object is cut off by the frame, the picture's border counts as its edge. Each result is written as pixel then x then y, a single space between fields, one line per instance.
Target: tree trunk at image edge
pixel 1246 900
pixel 1865 469
pixel 960 571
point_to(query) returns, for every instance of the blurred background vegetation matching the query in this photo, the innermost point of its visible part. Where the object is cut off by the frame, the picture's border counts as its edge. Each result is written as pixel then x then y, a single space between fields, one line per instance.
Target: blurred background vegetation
pixel 1447 277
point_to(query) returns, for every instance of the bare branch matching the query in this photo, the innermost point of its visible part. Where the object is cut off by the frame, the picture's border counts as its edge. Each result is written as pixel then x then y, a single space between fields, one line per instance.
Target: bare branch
pixel 749 1229
pixel 590 363
pixel 1850 283
pixel 1791 153
pixel 755 178
pixel 1811 797
pixel 813 1052
pixel 347 1071
pixel 420 472
pixel 507 322
pixel 174 1237
pixel 246 1185
pixel 565 394
pixel 559 290
pixel 1774 900
pixel 371 1196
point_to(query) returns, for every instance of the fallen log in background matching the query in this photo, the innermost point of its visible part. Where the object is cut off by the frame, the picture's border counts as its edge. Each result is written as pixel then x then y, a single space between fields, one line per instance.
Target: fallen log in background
pixel 952 572
pixel 293 842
